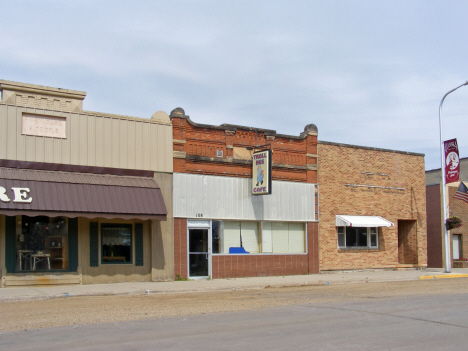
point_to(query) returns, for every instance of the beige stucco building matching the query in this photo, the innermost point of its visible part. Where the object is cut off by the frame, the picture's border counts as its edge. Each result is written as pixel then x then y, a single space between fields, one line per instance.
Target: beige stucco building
pixel 85 197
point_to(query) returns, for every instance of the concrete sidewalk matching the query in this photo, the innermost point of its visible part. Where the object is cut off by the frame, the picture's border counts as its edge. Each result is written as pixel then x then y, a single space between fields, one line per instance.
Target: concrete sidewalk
pixel 139 288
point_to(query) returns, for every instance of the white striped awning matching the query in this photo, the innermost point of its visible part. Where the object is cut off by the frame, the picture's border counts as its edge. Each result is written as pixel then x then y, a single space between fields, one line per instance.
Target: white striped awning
pixel 362 221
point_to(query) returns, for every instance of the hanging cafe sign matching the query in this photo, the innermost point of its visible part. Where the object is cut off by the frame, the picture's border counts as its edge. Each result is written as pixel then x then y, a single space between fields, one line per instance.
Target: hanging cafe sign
pixel 261 172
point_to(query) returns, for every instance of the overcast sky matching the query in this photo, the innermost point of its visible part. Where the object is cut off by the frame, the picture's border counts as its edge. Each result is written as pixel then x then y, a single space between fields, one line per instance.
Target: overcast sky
pixel 368 73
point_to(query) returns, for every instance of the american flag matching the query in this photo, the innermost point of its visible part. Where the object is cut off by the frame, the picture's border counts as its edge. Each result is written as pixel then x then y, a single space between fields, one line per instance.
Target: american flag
pixel 462 193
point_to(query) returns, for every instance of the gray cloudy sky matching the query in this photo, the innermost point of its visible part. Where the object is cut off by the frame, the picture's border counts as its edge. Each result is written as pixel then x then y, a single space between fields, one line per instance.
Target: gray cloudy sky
pixel 367 73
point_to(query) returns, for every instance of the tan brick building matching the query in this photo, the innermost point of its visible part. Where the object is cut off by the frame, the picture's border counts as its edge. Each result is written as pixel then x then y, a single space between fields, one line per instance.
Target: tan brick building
pixel 216 217
pixel 361 184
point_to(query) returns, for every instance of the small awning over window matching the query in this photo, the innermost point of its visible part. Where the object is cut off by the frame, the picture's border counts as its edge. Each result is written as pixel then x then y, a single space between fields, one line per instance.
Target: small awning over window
pixel 35 192
pixel 362 221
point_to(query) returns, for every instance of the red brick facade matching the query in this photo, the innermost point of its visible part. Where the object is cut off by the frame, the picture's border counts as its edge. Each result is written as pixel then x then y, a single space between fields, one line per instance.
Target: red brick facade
pixel 456 207
pixel 372 182
pixel 434 228
pixel 236 266
pixel 226 151
pixel 196 147
pixel 459 208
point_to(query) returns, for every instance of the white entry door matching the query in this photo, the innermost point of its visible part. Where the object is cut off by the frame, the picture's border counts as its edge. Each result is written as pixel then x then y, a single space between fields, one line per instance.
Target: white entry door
pixel 456 240
pixel 199 249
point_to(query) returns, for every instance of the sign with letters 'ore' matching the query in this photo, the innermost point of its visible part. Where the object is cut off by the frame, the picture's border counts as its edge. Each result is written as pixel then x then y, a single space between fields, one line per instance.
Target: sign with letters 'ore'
pixel 261 172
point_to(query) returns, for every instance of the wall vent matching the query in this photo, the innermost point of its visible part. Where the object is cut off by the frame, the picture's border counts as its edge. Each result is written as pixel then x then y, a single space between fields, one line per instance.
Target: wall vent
pixel 219 153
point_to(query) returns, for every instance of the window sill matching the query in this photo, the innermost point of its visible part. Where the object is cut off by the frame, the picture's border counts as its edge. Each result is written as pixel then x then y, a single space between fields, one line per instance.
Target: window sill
pixel 358 249
pixel 260 254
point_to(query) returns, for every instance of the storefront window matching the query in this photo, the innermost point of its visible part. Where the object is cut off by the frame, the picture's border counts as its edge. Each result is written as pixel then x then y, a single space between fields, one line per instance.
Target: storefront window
pixel 42 243
pixel 116 241
pixel 357 237
pixel 216 229
pixel 283 237
pixel 259 237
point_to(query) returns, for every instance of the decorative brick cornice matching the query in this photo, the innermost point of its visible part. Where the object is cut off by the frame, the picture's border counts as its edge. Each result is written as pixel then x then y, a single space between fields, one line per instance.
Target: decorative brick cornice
pixel 302 168
pixel 309 129
pixel 179 154
pixel 230 160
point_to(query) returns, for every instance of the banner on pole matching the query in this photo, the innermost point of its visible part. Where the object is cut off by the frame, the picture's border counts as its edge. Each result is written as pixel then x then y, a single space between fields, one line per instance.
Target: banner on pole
pixel 452 161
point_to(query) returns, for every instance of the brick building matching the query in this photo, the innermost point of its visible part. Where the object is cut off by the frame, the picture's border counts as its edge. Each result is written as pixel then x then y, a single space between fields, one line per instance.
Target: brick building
pixel 372 208
pixel 458 237
pixel 221 230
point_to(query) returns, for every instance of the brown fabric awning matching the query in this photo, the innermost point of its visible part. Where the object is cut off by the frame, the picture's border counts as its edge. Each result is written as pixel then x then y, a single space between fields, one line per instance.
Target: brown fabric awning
pixel 73 194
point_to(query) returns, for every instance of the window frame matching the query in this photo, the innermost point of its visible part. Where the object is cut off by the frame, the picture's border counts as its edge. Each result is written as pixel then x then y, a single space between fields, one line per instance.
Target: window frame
pixel 260 237
pixel 371 233
pixel 132 241
pixel 56 244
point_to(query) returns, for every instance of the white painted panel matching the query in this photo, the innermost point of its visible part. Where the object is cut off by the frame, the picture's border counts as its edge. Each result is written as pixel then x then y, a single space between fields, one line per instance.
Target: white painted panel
pixel 217 197
pixel 267 238
pixel 280 237
pixel 296 238
pixel 250 237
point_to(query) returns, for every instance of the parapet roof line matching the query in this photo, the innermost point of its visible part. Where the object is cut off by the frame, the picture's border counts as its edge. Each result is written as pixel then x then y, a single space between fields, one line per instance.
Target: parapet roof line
pixel 370 148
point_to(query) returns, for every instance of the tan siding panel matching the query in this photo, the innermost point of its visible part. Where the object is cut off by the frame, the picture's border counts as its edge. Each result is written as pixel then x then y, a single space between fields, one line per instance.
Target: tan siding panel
pixel 49 149
pixel 65 144
pixel 99 140
pixel 146 150
pixel 160 139
pixel 107 150
pixel 75 140
pixel 115 146
pixel 12 134
pixel 131 148
pixel 3 130
pixel 168 156
pixel 123 152
pixel 92 140
pixel 139 146
pixel 84 141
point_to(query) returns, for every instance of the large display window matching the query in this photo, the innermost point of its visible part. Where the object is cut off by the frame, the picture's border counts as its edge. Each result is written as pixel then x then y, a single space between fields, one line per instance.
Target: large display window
pixel 41 243
pixel 259 237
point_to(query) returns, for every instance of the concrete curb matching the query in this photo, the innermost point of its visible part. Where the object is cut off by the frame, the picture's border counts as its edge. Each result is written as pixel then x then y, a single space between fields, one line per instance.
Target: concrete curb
pixel 448 276
pixel 25 293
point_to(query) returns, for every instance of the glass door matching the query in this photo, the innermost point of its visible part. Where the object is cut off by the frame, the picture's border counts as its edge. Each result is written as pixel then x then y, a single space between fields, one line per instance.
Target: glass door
pixel 199 252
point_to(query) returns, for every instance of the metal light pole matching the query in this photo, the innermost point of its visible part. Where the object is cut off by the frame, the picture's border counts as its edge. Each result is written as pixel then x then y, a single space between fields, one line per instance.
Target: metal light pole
pixel 442 172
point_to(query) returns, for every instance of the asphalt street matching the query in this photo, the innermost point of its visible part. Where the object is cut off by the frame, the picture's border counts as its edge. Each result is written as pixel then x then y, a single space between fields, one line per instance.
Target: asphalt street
pixel 423 322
